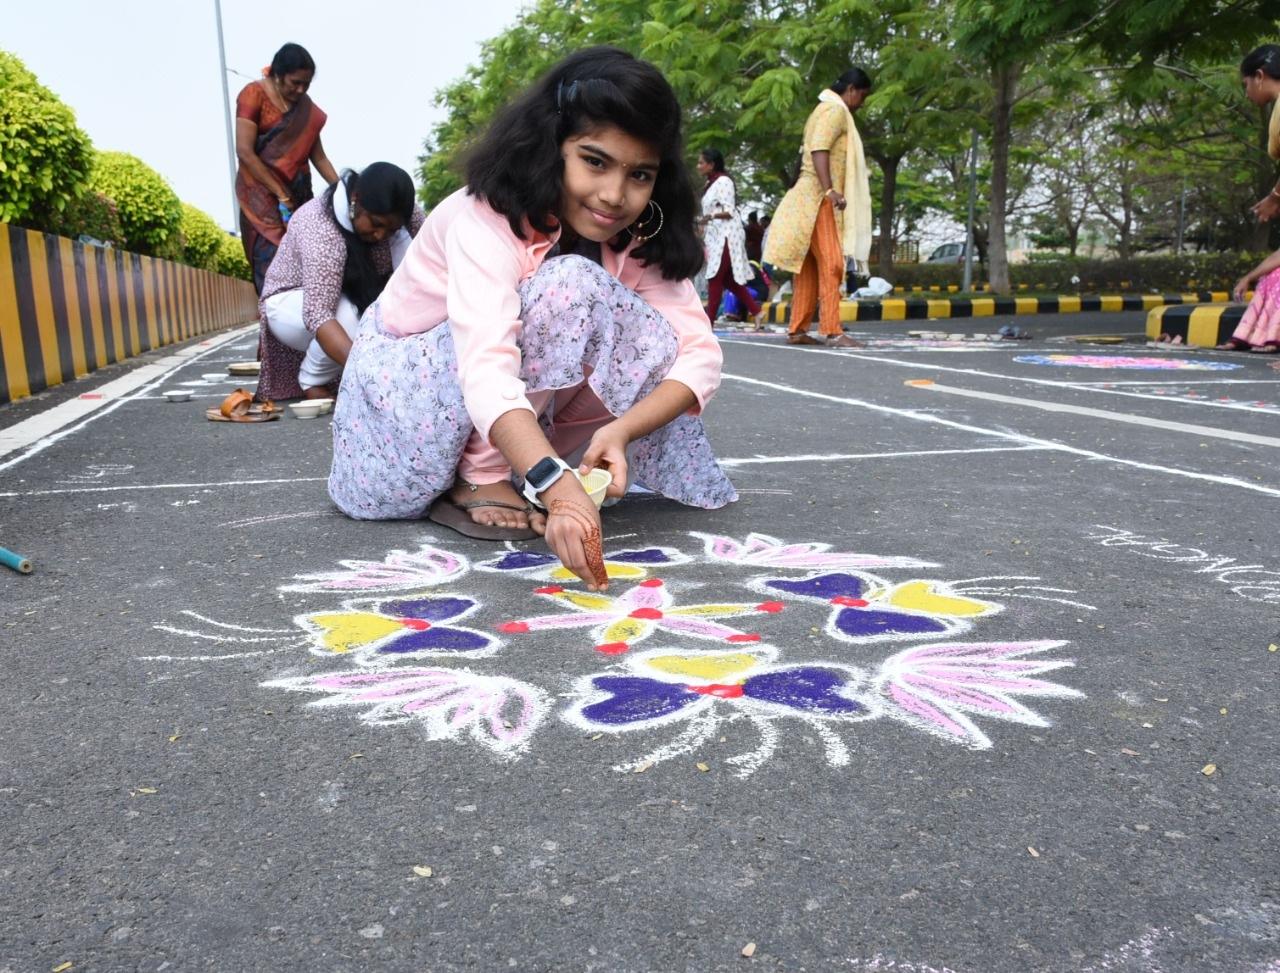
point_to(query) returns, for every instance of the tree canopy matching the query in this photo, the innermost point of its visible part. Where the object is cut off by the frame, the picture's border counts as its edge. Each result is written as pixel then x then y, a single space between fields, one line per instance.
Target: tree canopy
pixel 1092 117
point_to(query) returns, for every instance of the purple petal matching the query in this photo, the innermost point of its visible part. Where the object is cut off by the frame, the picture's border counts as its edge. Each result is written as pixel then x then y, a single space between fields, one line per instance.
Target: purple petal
pixel 436 639
pixel 634 699
pixel 806 688
pixel 427 609
pixel 824 586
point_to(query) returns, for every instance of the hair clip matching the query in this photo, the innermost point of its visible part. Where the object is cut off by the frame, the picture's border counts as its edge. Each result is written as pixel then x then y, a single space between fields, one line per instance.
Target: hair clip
pixel 563 98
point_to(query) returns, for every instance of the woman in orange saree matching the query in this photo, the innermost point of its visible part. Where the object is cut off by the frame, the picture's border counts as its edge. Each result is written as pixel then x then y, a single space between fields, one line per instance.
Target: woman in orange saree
pixel 277 142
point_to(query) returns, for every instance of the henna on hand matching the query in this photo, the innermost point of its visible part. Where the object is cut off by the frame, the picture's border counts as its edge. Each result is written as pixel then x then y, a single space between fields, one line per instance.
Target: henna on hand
pixel 592 543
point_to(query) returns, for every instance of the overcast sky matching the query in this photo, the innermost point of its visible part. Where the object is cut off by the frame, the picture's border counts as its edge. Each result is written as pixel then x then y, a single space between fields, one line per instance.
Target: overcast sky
pixel 142 75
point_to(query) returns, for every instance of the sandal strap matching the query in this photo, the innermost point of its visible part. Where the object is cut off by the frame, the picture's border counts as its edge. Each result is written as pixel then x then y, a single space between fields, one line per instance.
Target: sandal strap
pixel 473 504
pixel 236 404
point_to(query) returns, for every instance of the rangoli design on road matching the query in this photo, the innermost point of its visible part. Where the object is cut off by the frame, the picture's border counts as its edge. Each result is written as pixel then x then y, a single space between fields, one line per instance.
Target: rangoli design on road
pixel 1123 361
pixel 754 634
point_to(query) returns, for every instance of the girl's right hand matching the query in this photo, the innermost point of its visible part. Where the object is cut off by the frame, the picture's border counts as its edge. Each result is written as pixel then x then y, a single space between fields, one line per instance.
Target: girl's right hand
pixel 574 534
pixel 1242 285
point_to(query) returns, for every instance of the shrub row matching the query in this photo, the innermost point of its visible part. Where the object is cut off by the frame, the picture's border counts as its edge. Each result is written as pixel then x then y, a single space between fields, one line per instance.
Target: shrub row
pixel 1166 274
pixel 52 179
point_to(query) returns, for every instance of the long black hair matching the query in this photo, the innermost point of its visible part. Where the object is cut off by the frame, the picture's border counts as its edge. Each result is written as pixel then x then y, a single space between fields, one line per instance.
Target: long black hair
pixel 385 190
pixel 853 78
pixel 291 57
pixel 517 168
pixel 715 157
pixel 1265 59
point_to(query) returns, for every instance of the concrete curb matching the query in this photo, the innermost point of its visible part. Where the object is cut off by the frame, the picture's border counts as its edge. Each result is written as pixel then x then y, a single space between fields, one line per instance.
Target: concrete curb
pixel 915 309
pixel 1205 325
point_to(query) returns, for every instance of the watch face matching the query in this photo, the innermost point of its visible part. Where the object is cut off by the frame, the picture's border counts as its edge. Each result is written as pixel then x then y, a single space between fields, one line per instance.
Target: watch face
pixel 542 473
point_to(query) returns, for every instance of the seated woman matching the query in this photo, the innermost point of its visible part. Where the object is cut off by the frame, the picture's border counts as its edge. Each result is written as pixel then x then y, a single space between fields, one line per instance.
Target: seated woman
pixel 544 313
pixel 1259 329
pixel 334 261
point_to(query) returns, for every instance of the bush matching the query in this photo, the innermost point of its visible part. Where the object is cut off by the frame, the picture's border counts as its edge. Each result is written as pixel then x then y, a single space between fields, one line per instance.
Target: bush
pixel 1166 274
pixel 201 238
pixel 45 158
pixel 231 261
pixel 150 212
pixel 92 215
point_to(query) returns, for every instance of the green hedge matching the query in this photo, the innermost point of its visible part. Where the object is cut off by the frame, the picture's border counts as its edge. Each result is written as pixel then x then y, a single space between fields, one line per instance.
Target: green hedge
pixel 92 215
pixel 150 212
pixel 201 238
pixel 230 260
pixel 1165 274
pixel 44 157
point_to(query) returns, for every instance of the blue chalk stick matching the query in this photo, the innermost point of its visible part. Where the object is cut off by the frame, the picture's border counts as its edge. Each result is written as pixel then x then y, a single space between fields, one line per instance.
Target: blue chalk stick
pixel 15 561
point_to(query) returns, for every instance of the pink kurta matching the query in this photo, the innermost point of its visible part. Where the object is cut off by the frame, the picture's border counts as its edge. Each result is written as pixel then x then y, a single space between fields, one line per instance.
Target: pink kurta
pixel 465 266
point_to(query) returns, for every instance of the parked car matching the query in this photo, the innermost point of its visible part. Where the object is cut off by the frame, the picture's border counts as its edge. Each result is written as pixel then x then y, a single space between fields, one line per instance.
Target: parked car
pixel 948 253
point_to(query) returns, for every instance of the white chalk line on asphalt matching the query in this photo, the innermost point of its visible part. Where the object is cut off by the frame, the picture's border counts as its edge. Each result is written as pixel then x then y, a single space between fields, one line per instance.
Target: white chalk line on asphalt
pixel 833 457
pixel 254 521
pixel 1010 436
pixel 48 427
pixel 1211 432
pixel 1051 383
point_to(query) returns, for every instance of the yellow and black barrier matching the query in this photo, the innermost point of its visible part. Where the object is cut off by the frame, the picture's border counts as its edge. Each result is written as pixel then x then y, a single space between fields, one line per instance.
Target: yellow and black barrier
pixel 68 308
pixel 918 309
pixel 1205 325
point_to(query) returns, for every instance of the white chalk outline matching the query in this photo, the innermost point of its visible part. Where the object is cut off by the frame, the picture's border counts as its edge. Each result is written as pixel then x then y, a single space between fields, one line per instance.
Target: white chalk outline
pixel 1011 436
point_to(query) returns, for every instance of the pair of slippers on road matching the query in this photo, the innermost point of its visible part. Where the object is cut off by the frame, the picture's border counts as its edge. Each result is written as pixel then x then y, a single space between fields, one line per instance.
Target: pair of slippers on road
pixel 835 341
pixel 1235 344
pixel 240 407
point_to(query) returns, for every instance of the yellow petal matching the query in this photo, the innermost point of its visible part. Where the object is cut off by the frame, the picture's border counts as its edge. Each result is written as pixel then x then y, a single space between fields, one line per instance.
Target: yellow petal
pixel 922 596
pixel 712 611
pixel 715 667
pixel 344 631
pixel 62 968
pixel 1209 769
pixel 627 630
pixel 615 570
pixel 702 767
pixel 423 871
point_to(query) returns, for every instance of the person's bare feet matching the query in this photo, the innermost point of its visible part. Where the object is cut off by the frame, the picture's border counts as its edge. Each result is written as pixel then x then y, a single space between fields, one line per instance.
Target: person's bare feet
pixel 317 392
pixel 843 341
pixel 512 513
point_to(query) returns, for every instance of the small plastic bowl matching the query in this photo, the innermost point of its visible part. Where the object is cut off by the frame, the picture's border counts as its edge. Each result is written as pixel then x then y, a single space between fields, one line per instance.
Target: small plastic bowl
pixel 178 395
pixel 326 405
pixel 595 483
pixel 307 408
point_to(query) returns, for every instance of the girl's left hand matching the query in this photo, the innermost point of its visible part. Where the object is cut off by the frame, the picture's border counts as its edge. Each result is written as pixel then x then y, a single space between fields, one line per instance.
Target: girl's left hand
pixel 608 450
pixel 1267 208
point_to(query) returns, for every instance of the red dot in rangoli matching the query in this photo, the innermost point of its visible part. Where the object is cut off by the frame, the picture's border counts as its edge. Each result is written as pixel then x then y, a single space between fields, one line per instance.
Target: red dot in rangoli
pixel 417 624
pixel 772 607
pixel 722 690
pixel 850 602
pixel 648 614
pixel 515 627
pixel 651 583
pixel 612 648
pixel 745 637
pixel 551 589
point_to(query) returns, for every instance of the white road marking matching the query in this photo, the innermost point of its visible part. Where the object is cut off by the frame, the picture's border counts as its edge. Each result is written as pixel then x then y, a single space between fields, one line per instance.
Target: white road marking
pixel 829 457
pixel 1082 410
pixel 48 427
pixel 163 486
pixel 1052 383
pixel 1013 437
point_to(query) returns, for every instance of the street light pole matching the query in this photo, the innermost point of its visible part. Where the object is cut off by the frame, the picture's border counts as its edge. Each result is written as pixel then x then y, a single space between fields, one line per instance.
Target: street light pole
pixel 226 110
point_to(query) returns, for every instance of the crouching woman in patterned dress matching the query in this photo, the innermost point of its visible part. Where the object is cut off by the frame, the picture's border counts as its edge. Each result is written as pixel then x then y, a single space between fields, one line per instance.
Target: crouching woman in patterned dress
pixel 543 314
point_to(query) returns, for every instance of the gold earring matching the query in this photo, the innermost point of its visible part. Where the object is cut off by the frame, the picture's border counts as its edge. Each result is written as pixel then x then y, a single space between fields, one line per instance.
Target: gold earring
pixel 639 230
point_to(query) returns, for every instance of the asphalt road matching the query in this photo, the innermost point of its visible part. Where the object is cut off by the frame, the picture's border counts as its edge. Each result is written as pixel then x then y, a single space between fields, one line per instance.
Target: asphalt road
pixel 988 690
